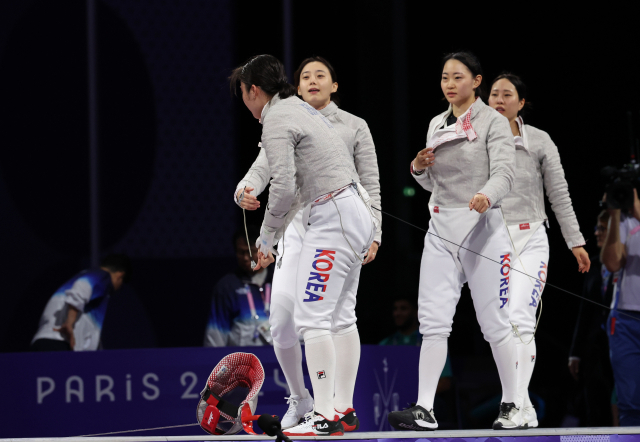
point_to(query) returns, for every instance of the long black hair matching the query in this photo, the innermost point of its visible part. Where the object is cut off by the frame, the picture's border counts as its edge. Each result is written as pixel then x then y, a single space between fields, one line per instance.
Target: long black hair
pixel 266 72
pixel 473 64
pixel 334 77
pixel 521 89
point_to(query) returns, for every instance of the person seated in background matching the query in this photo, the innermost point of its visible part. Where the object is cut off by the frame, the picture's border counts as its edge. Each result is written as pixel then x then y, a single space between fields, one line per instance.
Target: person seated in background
pixel 405 317
pixel 621 252
pixel 240 303
pixel 73 317
pixel 589 355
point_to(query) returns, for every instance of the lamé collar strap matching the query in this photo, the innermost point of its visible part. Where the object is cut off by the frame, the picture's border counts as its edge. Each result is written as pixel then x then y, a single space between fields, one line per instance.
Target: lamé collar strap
pixel 463 125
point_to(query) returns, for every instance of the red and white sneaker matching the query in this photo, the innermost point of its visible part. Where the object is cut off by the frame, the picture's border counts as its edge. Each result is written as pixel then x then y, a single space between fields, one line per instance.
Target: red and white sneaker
pixel 317 425
pixel 349 419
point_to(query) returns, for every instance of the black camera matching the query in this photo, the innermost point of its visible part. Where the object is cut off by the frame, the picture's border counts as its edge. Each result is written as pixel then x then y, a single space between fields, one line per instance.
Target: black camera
pixel 621 184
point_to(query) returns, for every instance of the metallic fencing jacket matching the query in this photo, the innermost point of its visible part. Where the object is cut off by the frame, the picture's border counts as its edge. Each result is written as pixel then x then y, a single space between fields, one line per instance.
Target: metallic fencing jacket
pixel 537 166
pixel 355 133
pixel 481 160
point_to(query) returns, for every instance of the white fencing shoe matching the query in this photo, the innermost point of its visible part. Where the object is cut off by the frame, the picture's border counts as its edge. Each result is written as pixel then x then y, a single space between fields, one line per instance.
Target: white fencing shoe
pixel 530 417
pixel 510 418
pixel 297 409
pixel 317 425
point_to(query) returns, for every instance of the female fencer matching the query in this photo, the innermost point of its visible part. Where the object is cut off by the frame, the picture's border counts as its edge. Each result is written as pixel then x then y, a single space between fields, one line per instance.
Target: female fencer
pixel 310 168
pixel 316 83
pixel 468 166
pixel 537 166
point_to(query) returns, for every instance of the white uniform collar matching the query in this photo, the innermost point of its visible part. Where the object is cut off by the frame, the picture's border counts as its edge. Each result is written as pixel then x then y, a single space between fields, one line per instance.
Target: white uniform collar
pixel 520 140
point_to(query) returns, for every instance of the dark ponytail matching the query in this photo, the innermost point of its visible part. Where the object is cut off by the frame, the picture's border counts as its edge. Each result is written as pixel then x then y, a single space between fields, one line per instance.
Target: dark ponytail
pixel 473 64
pixel 521 89
pixel 266 72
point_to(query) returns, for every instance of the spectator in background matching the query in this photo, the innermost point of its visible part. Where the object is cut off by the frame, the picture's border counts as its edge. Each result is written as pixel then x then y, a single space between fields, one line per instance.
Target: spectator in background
pixel 621 252
pixel 240 304
pixel 73 317
pixel 405 316
pixel 589 355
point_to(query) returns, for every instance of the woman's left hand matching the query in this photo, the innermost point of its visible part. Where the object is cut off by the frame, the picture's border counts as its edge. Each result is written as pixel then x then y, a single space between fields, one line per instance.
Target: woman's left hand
pixel 264 261
pixel 479 202
pixel 584 264
pixel 371 253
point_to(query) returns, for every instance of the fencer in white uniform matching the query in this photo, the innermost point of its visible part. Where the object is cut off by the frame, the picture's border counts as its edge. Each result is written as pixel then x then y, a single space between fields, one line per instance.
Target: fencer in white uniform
pixel 468 166
pixel 538 168
pixel 310 168
pixel 316 81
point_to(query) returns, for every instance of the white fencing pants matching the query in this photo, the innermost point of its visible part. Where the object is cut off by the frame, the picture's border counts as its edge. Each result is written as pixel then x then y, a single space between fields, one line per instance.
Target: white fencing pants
pixel 284 287
pixel 340 231
pixel 440 286
pixel 441 282
pixel 525 291
pixel 524 302
pixel 328 268
pixel 286 342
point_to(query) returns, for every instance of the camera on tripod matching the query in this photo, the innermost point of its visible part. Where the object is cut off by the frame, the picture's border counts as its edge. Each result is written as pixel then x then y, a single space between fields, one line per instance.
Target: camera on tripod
pixel 621 184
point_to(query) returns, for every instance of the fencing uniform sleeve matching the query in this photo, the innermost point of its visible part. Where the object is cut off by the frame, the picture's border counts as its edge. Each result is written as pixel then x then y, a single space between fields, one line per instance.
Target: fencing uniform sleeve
pixel 280 135
pixel 257 176
pixel 221 316
pixel 557 190
pixel 366 162
pixel 424 179
pixel 79 294
pixel 502 161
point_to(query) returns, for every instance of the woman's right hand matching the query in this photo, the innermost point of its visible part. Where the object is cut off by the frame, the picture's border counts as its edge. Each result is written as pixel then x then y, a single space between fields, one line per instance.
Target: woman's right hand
pixel 248 202
pixel 424 159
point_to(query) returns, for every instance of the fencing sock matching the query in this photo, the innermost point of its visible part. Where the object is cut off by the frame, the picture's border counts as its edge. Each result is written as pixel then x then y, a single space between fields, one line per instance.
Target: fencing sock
pixel 347 345
pixel 526 363
pixel 504 354
pixel 290 360
pixel 433 356
pixel 321 361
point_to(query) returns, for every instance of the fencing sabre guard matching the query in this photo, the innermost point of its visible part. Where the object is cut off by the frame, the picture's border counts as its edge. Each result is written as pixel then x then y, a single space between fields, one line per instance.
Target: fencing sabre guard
pixel 229 400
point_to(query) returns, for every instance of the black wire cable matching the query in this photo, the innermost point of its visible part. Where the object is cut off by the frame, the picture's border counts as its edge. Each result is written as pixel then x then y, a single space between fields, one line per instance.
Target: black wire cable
pixel 499 263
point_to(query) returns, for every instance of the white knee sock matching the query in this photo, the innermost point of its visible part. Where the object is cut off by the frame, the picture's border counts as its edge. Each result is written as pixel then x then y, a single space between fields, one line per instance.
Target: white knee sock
pixel 321 361
pixel 290 360
pixel 433 356
pixel 504 354
pixel 347 345
pixel 526 363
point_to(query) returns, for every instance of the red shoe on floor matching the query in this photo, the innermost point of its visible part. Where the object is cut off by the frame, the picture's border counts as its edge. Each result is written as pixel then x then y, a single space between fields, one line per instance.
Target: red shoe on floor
pixel 349 419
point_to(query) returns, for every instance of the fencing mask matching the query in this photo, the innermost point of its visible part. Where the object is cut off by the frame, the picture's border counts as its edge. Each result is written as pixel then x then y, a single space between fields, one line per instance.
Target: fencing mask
pixel 230 397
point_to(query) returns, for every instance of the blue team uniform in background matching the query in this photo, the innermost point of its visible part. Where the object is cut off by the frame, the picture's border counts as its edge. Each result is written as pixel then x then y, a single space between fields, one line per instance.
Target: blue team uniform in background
pixel 231 322
pixel 88 292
